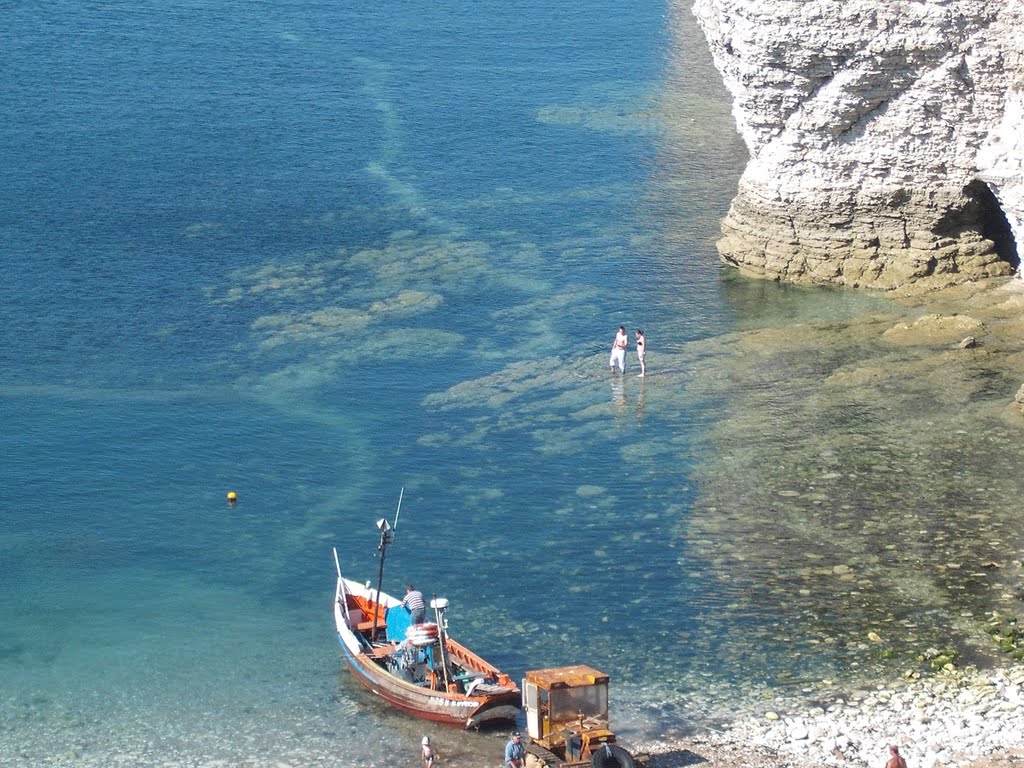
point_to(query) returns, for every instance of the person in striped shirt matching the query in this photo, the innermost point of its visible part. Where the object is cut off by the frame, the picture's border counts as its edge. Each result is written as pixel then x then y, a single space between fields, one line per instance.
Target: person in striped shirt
pixel 413 603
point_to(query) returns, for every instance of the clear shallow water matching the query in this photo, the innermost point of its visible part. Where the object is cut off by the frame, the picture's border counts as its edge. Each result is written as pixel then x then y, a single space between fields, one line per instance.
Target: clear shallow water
pixel 315 255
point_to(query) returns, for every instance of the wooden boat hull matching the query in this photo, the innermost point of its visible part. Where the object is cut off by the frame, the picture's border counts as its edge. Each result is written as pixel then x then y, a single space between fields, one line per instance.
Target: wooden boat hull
pixel 456 710
pixel 454 704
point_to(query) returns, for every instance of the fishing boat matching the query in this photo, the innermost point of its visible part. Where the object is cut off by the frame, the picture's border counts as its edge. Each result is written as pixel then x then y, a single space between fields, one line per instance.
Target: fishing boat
pixel 417 668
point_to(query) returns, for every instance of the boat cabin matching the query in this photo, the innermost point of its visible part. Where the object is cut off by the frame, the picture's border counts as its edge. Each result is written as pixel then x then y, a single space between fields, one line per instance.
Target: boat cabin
pixel 566 700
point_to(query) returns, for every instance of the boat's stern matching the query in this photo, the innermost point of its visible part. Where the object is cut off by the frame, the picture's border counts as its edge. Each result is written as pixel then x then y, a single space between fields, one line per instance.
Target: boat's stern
pixel 493 715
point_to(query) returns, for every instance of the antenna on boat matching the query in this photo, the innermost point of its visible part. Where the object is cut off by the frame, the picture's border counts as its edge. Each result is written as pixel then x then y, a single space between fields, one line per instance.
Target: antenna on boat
pixel 399 510
pixel 440 606
pixel 387 538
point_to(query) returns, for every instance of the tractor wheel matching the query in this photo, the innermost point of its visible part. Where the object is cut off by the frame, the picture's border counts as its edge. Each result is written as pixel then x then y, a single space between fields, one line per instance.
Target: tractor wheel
pixel 611 756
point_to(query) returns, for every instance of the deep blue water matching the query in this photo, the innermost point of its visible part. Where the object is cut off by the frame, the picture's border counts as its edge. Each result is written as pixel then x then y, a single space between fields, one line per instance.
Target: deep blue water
pixel 316 253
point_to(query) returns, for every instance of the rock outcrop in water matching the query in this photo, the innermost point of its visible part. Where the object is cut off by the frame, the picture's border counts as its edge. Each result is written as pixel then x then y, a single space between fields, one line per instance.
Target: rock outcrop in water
pixel 886 138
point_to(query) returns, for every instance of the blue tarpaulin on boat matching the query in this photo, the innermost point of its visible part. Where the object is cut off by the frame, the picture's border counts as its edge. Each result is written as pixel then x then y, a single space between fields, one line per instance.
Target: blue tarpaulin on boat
pixel 398 621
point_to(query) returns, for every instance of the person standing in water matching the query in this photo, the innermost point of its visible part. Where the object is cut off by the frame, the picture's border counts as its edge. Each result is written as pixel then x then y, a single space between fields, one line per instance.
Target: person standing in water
pixel 641 350
pixel 618 356
pixel 429 755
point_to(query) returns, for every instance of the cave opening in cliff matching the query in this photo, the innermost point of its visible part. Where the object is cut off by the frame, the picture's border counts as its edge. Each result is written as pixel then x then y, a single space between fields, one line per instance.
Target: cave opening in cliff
pixel 991 221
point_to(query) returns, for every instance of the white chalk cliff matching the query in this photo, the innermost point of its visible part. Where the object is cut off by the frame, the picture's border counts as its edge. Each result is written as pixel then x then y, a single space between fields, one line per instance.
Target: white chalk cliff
pixel 886 138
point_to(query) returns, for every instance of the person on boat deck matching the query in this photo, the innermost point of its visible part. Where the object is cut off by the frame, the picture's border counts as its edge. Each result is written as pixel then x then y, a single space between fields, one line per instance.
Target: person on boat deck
pixel 414 604
pixel 429 755
pixel 515 752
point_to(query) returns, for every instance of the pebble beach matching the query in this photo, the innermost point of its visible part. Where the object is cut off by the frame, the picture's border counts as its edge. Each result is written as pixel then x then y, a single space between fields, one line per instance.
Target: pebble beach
pixel 959 718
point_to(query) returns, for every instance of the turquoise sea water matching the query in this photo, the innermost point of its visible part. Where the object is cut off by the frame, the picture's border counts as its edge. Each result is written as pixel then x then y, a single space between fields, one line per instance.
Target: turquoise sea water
pixel 315 253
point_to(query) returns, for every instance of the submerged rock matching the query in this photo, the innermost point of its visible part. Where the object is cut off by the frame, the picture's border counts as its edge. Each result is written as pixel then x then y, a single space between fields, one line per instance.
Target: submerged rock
pixel 933 329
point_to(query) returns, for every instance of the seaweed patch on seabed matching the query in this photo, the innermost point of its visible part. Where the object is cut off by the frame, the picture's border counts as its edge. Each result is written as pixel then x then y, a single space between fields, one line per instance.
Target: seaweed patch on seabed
pixel 560 401
pixel 863 490
pixel 631 108
pixel 323 299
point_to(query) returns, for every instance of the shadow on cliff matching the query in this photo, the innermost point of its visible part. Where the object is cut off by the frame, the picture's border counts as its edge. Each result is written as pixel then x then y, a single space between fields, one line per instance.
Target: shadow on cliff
pixel 984 214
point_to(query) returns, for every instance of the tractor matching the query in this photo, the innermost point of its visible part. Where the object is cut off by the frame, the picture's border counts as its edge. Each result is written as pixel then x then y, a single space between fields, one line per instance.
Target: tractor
pixel 567 721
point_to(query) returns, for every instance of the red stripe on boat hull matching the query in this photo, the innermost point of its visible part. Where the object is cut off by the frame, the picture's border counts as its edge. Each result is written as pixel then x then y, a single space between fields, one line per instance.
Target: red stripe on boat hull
pixel 450 709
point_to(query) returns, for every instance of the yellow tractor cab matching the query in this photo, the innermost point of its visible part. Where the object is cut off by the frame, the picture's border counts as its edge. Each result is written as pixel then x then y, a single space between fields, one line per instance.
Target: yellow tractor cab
pixel 567 720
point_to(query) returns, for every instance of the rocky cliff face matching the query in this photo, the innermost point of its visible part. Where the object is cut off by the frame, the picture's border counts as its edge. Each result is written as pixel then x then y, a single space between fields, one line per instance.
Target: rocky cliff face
pixel 886 137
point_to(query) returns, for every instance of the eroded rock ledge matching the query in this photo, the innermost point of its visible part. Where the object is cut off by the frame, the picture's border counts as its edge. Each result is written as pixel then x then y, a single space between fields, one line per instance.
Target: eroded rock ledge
pixel 886 138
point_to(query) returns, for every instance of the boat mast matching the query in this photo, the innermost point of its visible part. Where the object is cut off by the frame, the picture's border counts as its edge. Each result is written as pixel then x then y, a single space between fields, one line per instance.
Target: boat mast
pixel 442 637
pixel 340 592
pixel 387 536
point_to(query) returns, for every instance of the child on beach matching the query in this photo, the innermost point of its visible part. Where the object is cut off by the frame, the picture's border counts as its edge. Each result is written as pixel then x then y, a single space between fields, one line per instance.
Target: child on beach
pixel 429 755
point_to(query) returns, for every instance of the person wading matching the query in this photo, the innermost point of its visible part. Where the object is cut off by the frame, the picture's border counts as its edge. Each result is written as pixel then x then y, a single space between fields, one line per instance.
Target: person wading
pixel 641 351
pixel 430 757
pixel 618 356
